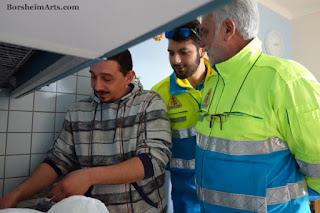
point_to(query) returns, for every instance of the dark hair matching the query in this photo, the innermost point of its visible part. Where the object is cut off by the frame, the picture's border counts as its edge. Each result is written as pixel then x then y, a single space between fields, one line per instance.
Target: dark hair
pixel 124 60
pixel 194 25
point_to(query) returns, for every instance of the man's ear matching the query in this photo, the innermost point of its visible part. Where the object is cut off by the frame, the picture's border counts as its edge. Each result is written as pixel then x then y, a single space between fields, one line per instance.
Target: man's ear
pixel 229 29
pixel 202 52
pixel 130 76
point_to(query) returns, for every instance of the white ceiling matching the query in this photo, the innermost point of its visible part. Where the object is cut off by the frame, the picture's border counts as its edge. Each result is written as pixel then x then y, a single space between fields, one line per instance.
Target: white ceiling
pixel 292 9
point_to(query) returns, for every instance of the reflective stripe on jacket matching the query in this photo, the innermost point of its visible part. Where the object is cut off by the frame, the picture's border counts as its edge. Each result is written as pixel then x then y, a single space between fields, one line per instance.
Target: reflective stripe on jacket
pixel 264 154
pixel 183 103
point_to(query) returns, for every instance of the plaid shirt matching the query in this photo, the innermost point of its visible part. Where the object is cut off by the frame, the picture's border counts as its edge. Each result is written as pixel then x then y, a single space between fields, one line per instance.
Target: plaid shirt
pixel 138 125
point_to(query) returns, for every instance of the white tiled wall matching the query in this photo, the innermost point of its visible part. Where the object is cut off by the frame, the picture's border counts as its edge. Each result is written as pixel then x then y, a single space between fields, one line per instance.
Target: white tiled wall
pixel 20 121
pixel 1 186
pixel 16 166
pixel 18 143
pixel 3 143
pixel 41 142
pixel 3 121
pixel 29 125
pixel 50 88
pixel 83 87
pixel 68 84
pixel 24 103
pixel 59 121
pixel 4 103
pixel 1 166
pixel 43 122
pixel 44 101
pixel 64 101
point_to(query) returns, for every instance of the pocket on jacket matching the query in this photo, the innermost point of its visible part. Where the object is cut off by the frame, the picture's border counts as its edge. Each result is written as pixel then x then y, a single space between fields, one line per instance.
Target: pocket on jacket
pixel 178 119
pixel 309 125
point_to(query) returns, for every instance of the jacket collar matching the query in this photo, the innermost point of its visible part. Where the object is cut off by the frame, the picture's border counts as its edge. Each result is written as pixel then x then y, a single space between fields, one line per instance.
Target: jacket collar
pixel 178 86
pixel 239 64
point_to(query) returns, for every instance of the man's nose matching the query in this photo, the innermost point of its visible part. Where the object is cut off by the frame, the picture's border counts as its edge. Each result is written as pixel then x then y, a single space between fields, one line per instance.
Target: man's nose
pixel 98 86
pixel 176 59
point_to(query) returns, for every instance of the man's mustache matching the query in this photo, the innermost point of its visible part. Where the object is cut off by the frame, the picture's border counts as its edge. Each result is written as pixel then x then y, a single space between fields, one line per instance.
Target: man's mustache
pixel 178 66
pixel 101 92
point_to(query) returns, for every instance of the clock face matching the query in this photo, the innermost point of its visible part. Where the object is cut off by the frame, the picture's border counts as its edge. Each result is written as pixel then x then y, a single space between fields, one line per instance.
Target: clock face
pixel 274 43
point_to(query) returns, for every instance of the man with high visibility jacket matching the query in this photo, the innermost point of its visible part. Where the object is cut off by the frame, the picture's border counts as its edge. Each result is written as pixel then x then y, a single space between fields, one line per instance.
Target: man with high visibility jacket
pixel 258 138
pixel 182 93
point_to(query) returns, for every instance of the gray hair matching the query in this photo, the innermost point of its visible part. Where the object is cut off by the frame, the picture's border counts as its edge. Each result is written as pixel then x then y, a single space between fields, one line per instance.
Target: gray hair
pixel 245 15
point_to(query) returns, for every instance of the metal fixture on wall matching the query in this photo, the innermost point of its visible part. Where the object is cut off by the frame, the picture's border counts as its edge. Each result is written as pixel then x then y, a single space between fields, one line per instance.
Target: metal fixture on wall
pixel 12 57
pixel 24 70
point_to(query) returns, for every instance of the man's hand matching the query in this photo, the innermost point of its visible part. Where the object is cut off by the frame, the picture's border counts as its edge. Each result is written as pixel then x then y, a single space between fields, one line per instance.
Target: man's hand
pixel 79 181
pixel 8 201
pixel 75 183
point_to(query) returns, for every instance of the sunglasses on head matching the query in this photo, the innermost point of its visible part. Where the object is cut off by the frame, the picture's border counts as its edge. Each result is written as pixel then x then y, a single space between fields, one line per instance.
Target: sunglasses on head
pixel 182 32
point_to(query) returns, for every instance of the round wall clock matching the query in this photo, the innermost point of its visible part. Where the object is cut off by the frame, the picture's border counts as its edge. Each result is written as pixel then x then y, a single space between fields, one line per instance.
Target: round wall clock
pixel 274 43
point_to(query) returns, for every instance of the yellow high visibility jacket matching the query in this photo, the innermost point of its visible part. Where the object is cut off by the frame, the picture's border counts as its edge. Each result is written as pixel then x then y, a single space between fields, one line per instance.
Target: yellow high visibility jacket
pixel 183 103
pixel 258 135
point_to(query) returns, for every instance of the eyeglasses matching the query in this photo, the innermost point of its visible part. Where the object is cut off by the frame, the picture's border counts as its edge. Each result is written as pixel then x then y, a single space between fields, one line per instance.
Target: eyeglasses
pixel 221 118
pixel 182 32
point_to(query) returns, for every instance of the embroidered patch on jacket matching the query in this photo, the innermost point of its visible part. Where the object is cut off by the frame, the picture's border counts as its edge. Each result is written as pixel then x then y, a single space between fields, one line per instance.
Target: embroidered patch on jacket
pixel 174 103
pixel 178 120
pixel 206 100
